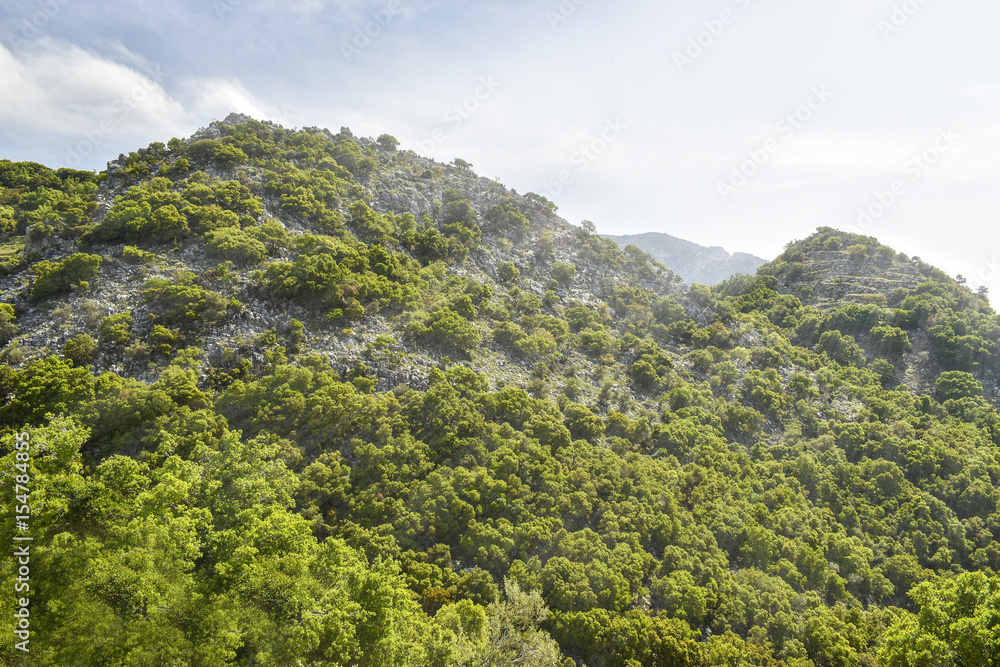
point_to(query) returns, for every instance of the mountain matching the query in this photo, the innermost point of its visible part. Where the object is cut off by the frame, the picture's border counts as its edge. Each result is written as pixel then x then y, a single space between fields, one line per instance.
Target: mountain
pixel 280 396
pixel 693 262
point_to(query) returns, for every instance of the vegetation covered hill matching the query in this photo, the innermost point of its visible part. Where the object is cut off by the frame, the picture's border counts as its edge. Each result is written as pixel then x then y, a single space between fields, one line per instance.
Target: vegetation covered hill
pixel 833 268
pixel 867 290
pixel 692 262
pixel 296 397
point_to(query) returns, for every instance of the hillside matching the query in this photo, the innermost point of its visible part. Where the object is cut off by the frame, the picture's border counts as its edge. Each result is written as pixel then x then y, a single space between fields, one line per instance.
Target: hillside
pixel 301 397
pixel 859 286
pixel 833 268
pixel 692 262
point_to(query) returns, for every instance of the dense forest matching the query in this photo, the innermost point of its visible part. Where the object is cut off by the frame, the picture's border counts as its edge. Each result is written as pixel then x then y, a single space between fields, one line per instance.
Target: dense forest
pixel 305 398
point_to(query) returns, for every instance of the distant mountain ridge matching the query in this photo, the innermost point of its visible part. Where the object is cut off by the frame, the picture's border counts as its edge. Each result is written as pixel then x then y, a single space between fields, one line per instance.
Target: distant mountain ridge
pixel 694 263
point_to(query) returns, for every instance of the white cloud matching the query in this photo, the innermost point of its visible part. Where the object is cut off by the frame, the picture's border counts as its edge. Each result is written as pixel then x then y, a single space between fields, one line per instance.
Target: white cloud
pixel 209 98
pixel 58 92
pixel 303 6
pixel 61 88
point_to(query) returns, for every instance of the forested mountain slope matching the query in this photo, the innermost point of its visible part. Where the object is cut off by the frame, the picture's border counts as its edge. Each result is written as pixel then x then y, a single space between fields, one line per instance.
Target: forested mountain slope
pixel 296 397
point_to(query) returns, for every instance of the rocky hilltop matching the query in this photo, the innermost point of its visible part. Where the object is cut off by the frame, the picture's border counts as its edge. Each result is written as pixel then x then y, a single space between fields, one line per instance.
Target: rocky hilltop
pixel 833 268
pixel 692 262
pixel 838 272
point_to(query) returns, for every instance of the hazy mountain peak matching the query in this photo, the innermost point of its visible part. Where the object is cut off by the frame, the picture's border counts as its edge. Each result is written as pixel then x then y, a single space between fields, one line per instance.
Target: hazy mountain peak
pixel 692 262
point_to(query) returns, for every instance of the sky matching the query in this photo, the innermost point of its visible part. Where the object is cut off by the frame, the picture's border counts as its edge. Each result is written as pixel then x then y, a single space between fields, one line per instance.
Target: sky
pixel 739 123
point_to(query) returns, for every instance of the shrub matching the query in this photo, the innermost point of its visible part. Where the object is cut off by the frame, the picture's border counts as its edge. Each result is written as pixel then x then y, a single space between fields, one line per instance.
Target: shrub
pixel 563 273
pixel 166 224
pixel 116 329
pixel 348 155
pixel 954 385
pixel 597 340
pixel 371 226
pixel 134 255
pixel 211 217
pixel 271 233
pixel 857 251
pixel 446 329
pixel 891 341
pixel 7 222
pixel 182 301
pixel 56 278
pixel 513 337
pixel 843 349
pixel 227 156
pixel 508 273
pixel 429 244
pixel 206 150
pixel 138 221
pixel 506 220
pixel 582 423
pixel 80 349
pixel 236 245
pixel 7 327
pixel 164 339
pixel 335 276
pixel 460 222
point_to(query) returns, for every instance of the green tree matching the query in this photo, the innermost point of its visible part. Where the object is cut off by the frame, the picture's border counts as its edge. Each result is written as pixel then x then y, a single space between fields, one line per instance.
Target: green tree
pixel 387 141
pixel 952 385
pixel 957 625
pixel 512 634
pixel 891 341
